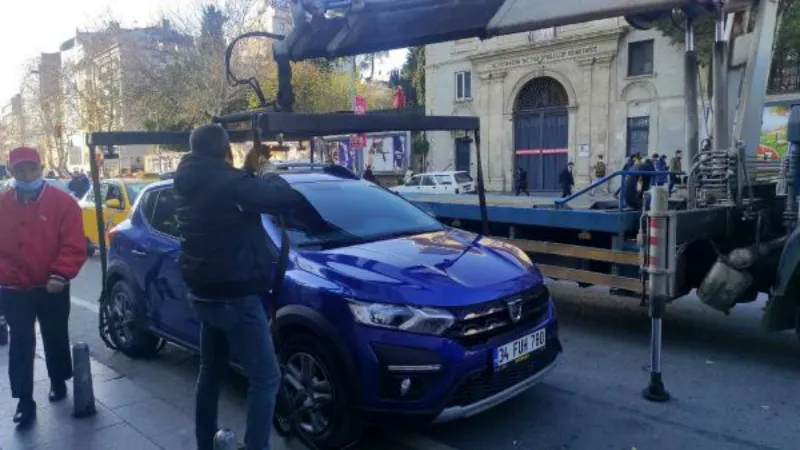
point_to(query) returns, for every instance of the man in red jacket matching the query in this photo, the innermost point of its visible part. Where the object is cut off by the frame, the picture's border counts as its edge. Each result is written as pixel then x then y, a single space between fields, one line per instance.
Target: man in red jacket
pixel 42 248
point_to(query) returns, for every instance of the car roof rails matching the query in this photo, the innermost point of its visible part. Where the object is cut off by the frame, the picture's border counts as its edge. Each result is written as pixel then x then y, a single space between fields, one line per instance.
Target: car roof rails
pixel 331 169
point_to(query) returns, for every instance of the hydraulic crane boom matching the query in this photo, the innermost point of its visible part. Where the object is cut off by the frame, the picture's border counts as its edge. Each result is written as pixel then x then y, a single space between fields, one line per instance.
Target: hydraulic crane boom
pixel 365 26
pixel 742 49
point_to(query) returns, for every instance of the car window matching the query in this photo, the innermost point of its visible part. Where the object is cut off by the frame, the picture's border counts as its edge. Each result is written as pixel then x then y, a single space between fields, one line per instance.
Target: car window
pixel 414 181
pixel 329 216
pixel 463 177
pixel 103 192
pixel 114 192
pixel 163 218
pixel 147 204
pixel 134 190
pixel 444 179
pixel 428 180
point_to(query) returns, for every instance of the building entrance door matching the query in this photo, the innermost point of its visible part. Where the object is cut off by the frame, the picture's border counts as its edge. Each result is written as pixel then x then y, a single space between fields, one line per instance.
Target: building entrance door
pixel 541 132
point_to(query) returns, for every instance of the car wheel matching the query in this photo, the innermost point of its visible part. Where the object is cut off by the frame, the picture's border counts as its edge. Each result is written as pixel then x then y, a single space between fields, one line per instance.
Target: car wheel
pixel 312 378
pixel 90 249
pixel 128 323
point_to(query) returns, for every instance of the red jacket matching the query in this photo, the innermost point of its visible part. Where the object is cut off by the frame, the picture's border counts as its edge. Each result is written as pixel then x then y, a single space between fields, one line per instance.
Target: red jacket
pixel 40 239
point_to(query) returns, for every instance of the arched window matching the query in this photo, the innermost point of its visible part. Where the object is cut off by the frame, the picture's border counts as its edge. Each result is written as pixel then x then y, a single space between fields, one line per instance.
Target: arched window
pixel 540 93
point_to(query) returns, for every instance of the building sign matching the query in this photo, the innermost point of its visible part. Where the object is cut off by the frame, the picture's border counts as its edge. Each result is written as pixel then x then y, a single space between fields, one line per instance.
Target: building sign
pixel 542 58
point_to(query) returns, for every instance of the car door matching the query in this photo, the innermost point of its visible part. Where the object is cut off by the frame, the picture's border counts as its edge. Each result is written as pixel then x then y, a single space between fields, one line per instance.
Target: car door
pixel 114 215
pixel 89 212
pixel 163 284
pixel 428 184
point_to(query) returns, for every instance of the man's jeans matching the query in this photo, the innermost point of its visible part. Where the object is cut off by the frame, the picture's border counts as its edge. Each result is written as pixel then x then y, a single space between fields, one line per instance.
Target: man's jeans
pixel 238 326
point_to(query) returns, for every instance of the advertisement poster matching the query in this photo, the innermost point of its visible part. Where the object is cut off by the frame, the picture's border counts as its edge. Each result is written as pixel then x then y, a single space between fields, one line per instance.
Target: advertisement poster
pixel 340 152
pixel 774 126
pixel 386 153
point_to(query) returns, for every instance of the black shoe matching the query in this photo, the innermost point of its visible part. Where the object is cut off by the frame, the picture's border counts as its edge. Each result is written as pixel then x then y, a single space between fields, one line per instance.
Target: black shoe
pixel 26 413
pixel 58 391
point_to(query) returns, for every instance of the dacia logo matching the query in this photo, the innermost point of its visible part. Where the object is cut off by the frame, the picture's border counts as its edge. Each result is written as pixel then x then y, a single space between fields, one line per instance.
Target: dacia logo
pixel 515 309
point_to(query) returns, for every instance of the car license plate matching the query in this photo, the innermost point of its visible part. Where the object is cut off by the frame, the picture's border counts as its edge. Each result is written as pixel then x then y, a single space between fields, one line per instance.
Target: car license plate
pixel 523 346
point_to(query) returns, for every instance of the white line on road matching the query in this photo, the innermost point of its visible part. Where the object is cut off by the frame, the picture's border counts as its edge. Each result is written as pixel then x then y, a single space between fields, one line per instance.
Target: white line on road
pixel 411 440
pixel 91 306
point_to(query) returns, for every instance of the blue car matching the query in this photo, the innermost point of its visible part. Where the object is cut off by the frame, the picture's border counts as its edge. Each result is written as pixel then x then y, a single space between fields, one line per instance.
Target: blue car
pixel 387 314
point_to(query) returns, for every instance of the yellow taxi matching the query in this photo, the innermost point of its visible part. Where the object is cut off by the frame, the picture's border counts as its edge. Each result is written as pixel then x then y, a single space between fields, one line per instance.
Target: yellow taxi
pixel 118 196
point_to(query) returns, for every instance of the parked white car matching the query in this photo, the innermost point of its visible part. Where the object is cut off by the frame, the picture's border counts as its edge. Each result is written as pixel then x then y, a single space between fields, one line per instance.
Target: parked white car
pixel 452 182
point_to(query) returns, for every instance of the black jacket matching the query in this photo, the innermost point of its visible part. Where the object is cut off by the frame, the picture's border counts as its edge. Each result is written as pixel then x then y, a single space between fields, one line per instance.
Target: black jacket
pixel 225 252
pixel 565 178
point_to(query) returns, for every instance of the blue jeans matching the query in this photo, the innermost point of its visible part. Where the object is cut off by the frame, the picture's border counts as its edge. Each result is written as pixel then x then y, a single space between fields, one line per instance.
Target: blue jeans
pixel 236 326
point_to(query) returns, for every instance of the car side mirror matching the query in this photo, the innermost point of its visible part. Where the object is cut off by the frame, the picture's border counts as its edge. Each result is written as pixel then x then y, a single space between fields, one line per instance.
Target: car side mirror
pixel 113 204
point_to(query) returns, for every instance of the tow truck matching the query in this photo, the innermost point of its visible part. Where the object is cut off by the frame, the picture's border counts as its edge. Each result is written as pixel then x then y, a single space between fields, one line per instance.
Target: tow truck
pixel 733 236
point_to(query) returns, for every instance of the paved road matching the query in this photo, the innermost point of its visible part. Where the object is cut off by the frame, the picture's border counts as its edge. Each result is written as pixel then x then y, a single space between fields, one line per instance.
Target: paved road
pixel 734 388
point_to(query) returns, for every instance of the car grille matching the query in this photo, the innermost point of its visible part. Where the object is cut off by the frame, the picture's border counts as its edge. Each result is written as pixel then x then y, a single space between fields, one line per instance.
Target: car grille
pixel 482 385
pixel 477 324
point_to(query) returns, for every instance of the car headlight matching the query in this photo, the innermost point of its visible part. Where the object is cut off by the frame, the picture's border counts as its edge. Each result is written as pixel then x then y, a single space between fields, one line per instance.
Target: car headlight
pixel 402 318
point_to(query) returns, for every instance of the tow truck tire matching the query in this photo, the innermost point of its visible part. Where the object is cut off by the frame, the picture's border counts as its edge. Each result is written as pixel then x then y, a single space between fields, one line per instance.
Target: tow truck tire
pixel 344 428
pixel 141 343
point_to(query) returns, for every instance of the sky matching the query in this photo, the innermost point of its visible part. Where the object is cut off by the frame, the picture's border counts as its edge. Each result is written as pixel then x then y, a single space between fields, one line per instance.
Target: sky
pixel 30 27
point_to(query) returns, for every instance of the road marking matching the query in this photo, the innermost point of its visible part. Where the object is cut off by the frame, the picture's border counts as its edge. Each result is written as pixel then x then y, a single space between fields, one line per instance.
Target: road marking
pixel 91 306
pixel 411 440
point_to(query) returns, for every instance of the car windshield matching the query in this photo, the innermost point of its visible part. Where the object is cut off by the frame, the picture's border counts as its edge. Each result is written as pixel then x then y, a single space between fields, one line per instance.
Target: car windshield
pixel 338 214
pixel 134 189
pixel 463 177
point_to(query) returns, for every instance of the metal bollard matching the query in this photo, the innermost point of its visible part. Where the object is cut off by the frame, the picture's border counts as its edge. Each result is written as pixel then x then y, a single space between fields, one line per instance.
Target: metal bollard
pixel 3 331
pixel 225 440
pixel 82 388
pixel 657 268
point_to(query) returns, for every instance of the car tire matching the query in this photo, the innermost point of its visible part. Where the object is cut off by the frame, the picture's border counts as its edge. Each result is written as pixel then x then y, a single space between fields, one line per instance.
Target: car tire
pixel 138 341
pixel 343 427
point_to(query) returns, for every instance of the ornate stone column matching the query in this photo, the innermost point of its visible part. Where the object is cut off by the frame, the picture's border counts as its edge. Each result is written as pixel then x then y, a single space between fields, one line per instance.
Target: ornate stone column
pixel 493 151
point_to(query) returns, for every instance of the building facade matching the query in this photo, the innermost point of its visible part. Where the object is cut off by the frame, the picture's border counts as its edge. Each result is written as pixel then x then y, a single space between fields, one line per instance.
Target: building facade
pixel 553 96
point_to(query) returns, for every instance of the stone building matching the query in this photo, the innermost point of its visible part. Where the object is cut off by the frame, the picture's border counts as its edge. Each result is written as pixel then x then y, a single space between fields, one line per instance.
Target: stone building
pixel 556 95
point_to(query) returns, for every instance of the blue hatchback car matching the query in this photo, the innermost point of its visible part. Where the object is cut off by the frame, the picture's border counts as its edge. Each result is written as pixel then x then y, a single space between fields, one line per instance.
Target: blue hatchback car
pixel 386 313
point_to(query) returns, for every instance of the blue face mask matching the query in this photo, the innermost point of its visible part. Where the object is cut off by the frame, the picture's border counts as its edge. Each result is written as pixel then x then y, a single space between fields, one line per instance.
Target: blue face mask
pixel 29 186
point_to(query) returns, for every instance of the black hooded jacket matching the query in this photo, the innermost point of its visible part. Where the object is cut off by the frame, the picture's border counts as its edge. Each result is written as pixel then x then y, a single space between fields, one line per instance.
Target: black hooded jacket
pixel 225 252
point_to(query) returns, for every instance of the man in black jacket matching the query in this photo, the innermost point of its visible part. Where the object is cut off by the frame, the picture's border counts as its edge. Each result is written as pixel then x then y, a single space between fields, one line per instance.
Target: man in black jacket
pixel 228 266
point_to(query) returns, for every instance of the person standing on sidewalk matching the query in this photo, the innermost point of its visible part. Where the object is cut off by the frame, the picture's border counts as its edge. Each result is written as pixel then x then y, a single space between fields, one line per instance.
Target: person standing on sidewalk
pixel 599 169
pixel 41 250
pixel 228 267
pixel 566 180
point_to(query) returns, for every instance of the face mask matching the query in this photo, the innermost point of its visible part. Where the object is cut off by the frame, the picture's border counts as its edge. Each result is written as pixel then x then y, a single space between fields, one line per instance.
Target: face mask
pixel 28 186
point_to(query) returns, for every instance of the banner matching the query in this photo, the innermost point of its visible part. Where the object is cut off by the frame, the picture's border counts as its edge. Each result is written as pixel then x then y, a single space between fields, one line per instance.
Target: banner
pixel 387 153
pixel 774 128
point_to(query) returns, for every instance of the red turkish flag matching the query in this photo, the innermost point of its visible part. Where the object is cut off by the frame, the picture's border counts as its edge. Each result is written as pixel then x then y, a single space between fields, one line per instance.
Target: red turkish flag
pixel 399 98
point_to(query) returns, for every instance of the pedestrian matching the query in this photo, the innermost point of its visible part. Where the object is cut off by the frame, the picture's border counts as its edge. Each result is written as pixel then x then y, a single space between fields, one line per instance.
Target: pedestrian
pixel 630 163
pixel 521 182
pixel 566 180
pixel 676 167
pixel 78 185
pixel 41 250
pixel 368 175
pixel 228 266
pixel 599 170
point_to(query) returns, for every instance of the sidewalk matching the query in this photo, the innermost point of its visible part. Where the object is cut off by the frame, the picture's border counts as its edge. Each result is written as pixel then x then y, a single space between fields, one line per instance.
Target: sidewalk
pixel 128 417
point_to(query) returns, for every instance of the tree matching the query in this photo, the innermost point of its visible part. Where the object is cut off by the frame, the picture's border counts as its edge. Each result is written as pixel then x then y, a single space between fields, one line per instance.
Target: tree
pixel 368 62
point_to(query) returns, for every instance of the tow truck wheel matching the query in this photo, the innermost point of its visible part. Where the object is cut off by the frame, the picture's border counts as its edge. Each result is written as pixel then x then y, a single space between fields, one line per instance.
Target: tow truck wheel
pixel 128 323
pixel 311 379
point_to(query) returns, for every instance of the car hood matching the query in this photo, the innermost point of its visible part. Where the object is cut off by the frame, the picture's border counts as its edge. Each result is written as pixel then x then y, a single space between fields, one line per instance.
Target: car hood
pixel 443 268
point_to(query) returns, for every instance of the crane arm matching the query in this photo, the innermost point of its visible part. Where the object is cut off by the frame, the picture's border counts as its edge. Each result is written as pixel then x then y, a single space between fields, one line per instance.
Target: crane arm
pixel 353 27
